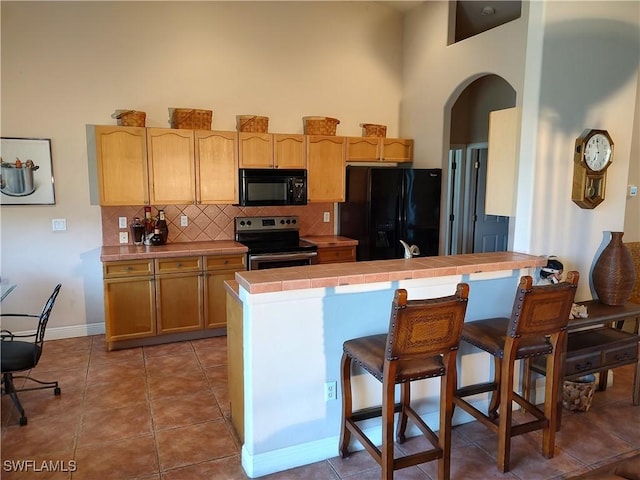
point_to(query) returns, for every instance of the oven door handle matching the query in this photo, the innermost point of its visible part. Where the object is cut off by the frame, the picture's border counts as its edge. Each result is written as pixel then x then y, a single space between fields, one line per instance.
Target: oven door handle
pixel 282 256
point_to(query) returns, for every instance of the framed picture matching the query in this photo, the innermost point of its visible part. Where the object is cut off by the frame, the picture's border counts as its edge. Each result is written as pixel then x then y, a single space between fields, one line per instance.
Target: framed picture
pixel 26 172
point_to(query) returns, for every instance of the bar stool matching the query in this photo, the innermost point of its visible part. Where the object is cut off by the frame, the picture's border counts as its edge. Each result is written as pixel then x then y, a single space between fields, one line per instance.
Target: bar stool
pixel 422 342
pixel 537 326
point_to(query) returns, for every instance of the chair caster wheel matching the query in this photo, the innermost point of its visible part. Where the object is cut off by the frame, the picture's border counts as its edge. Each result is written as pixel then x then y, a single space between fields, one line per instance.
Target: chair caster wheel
pixel 56 391
pixel 23 421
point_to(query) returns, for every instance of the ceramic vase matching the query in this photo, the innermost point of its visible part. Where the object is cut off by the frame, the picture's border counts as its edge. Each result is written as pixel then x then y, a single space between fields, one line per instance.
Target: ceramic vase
pixel 614 274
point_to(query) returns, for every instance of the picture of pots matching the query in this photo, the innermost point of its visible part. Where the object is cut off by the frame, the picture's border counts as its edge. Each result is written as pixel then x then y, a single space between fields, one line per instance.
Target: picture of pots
pixel 16 179
pixel 26 172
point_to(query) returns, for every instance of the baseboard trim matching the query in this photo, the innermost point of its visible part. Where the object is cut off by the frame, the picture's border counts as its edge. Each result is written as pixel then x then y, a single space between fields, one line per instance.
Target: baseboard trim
pixel 261 464
pixel 72 331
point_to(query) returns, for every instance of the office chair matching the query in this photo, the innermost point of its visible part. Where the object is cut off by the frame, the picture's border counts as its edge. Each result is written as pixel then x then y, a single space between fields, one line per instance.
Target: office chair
pixel 22 355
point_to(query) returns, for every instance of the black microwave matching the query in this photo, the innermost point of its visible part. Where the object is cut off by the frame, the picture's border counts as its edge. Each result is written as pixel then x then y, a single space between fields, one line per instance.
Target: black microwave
pixel 262 187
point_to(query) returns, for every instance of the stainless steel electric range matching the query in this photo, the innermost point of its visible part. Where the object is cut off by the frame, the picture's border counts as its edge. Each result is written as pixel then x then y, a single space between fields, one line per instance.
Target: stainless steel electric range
pixel 274 242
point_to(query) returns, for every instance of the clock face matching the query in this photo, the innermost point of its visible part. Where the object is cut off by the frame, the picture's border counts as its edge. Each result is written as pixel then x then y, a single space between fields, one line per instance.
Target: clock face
pixel 597 152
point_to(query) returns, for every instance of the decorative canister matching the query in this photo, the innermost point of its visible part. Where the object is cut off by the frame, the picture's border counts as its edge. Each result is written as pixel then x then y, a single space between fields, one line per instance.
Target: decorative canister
pixel 614 274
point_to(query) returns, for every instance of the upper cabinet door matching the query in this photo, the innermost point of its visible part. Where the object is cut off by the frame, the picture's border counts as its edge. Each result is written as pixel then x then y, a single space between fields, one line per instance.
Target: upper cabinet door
pixel 121 155
pixel 171 166
pixel 326 168
pixel 288 151
pixel 363 149
pixel 397 150
pixel 217 167
pixel 256 150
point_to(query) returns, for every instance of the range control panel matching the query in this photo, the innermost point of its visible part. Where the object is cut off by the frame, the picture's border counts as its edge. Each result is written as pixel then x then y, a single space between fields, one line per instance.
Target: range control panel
pixel 266 224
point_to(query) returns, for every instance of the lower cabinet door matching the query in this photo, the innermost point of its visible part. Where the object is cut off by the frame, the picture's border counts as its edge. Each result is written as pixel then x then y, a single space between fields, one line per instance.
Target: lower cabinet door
pixel 130 308
pixel 179 302
pixel 215 309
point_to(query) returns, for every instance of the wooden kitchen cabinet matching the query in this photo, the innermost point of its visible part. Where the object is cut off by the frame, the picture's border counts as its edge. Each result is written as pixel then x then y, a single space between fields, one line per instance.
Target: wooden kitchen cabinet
pixel 216 158
pixel 338 254
pixel 179 294
pixel 121 158
pixel 326 168
pixel 378 149
pixel 266 150
pixel 129 300
pixel 170 297
pixel 170 155
pixel 288 151
pixel 255 150
pixel 219 269
pixel 396 150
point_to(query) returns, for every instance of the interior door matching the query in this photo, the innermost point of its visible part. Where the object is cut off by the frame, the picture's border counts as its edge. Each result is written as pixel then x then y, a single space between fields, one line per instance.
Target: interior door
pixel 490 232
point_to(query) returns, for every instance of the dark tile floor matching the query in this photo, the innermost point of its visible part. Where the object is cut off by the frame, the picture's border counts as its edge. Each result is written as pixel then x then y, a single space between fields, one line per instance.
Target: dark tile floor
pixel 162 413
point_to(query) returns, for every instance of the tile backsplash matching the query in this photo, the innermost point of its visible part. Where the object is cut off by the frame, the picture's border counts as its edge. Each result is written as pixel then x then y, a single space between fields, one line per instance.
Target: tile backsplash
pixel 213 222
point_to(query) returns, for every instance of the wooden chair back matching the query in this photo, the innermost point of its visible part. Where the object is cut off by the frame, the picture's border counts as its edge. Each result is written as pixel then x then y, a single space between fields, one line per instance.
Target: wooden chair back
pixel 426 327
pixel 542 309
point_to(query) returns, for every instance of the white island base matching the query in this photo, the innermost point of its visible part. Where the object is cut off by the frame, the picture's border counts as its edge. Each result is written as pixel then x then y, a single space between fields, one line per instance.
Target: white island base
pixel 286 345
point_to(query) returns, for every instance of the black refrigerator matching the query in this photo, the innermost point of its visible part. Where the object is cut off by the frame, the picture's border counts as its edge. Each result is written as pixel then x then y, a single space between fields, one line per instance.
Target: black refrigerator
pixel 386 205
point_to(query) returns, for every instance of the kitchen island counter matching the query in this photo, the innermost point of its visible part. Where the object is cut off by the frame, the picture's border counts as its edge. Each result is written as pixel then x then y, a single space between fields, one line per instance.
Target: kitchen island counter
pixel 178 249
pixel 353 273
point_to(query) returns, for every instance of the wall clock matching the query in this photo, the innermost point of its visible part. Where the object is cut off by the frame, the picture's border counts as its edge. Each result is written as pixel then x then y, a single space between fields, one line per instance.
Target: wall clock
pixel 592 156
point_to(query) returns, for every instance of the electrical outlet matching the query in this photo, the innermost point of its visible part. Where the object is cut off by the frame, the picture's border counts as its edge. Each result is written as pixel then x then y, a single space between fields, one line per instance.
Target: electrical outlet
pixel 124 237
pixel 327 216
pixel 330 391
pixel 122 222
pixel 184 220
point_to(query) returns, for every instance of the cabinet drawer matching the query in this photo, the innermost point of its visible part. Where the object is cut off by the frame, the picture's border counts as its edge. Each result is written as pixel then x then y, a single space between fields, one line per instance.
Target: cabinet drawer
pixel 127 268
pixel 225 262
pixel 582 363
pixel 337 254
pixel 178 264
pixel 622 354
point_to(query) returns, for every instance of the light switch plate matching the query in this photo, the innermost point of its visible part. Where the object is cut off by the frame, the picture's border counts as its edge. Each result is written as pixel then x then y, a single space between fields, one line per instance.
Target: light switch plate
pixel 327 216
pixel 124 237
pixel 184 221
pixel 58 224
pixel 633 190
pixel 122 222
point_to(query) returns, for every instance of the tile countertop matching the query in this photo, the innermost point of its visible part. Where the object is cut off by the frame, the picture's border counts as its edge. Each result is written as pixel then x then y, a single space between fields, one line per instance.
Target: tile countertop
pixel 180 249
pixel 330 240
pixel 352 273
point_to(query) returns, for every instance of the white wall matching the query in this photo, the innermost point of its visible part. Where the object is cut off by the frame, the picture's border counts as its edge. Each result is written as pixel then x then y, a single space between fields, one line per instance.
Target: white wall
pixel 574 65
pixel 589 79
pixel 68 64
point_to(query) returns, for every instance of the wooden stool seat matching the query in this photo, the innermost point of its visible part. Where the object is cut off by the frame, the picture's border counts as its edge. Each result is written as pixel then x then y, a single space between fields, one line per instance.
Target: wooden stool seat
pixel 369 352
pixel 537 327
pixel 422 341
pixel 491 336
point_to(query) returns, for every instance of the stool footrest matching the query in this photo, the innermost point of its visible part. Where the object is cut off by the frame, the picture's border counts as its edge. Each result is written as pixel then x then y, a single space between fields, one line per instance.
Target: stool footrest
pixel 476 388
pixel 371 412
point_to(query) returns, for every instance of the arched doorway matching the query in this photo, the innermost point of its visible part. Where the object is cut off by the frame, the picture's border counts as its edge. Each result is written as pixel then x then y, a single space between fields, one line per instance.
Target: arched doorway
pixel 468 229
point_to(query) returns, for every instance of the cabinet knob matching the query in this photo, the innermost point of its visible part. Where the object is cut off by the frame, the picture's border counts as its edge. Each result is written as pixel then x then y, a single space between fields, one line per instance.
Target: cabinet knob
pixel 178 265
pixel 226 261
pixel 129 268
